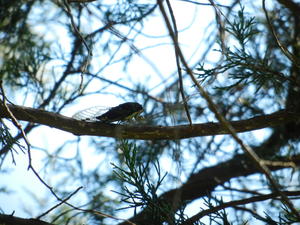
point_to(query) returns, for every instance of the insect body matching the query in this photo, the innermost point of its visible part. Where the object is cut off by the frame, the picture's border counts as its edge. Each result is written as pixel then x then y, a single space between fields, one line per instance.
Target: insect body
pixel 122 112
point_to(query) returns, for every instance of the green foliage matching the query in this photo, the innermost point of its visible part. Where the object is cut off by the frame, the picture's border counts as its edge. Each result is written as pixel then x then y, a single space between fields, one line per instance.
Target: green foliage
pixel 285 218
pixel 5 136
pixel 141 190
pixel 218 217
pixel 242 28
pixel 23 52
pixel 243 65
pixel 249 76
pixel 22 59
pixel 7 139
pixel 125 12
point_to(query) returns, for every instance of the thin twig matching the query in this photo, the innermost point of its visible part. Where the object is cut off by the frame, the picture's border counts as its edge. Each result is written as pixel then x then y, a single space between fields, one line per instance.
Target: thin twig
pixel 247 149
pixel 98 213
pixel 81 1
pixel 245 201
pixel 284 50
pixel 202 4
pixel 60 203
pixel 44 183
pixel 64 201
pixel 221 29
pixel 279 163
pixel 16 123
pixel 77 32
pixel 175 35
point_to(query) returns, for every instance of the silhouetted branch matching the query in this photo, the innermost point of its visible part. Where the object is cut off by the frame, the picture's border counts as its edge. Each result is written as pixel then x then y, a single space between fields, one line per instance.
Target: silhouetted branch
pixel 206 180
pixel 245 201
pixel 142 131
pixel 13 220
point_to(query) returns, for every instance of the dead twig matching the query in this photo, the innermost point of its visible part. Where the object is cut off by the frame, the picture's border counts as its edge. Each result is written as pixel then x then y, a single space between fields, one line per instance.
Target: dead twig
pixel 212 106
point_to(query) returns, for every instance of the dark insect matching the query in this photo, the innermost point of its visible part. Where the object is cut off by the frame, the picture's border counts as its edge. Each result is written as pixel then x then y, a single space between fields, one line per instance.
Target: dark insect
pixel 122 112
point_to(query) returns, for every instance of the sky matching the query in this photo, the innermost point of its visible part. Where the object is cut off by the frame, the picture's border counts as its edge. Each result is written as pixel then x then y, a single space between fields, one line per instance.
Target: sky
pixel 140 70
pixel 192 23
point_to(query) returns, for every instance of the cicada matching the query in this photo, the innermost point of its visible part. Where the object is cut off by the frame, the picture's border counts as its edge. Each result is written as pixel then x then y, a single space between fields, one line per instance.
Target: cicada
pixel 122 112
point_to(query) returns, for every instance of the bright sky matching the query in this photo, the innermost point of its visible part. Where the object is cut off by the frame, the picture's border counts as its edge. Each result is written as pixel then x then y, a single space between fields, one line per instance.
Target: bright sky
pixel 49 138
pixel 163 57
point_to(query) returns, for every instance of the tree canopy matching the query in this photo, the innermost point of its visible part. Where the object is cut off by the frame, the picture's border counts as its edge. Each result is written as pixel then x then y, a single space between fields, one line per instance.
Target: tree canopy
pixel 217 141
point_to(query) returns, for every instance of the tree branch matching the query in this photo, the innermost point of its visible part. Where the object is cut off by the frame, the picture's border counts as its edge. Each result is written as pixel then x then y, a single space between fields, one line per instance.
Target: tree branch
pixel 198 216
pixel 206 180
pixel 141 131
pixel 13 220
pixel 291 5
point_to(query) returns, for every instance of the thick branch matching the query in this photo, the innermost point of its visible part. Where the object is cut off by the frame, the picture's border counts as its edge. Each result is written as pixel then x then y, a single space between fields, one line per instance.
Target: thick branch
pixel 142 131
pixel 206 180
pixel 245 201
pixel 12 220
pixel 291 5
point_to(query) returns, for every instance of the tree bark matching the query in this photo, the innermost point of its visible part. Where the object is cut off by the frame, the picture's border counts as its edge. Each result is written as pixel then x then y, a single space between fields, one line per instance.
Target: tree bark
pixel 13 220
pixel 142 131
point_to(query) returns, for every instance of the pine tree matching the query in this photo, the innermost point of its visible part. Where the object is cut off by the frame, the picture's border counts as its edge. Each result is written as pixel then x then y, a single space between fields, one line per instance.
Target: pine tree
pixel 194 155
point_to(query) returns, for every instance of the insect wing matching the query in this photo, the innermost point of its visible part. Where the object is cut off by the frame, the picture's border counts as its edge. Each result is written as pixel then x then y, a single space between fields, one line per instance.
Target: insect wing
pixel 90 114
